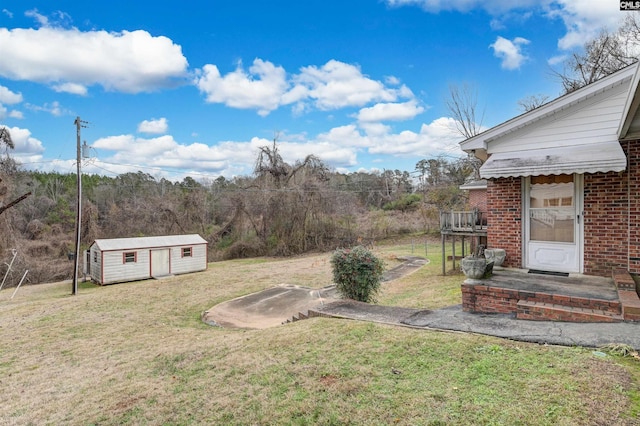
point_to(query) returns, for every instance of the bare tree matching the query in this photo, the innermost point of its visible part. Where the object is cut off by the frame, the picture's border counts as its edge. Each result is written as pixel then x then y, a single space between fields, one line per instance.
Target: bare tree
pixel 270 163
pixel 5 139
pixel 602 56
pixel 462 105
pixel 532 102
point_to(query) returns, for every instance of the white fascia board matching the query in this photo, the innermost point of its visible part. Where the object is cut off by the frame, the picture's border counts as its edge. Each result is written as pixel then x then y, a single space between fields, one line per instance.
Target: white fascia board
pixel 557 105
pixel 631 104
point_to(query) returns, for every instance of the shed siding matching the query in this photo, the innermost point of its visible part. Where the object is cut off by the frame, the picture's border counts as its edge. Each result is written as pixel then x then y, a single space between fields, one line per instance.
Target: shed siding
pixel 115 270
pixel 596 121
pixel 109 266
pixel 197 261
pixel 96 265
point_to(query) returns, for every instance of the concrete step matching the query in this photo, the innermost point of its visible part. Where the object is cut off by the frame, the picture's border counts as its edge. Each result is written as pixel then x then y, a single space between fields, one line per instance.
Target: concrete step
pixel 540 311
pixel 297 317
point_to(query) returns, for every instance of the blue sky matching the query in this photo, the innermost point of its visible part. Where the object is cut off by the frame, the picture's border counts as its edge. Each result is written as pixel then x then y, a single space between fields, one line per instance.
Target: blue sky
pixel 196 87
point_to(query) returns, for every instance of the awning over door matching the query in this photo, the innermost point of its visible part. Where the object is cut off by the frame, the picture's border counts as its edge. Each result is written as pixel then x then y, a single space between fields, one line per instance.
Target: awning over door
pixel 588 158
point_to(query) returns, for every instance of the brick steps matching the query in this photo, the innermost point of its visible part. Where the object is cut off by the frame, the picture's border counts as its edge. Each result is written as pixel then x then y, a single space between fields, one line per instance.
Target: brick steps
pixel 533 305
pixel 541 311
pixel 628 295
pixel 630 305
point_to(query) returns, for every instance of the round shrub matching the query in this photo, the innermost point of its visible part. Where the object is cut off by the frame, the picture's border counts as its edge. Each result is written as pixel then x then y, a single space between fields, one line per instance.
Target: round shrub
pixel 357 273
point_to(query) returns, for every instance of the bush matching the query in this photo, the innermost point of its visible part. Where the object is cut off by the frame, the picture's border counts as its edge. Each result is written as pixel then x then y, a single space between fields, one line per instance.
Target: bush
pixel 357 273
pixel 405 203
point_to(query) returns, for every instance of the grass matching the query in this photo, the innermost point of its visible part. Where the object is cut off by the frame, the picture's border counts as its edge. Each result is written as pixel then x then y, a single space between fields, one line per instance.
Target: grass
pixel 137 353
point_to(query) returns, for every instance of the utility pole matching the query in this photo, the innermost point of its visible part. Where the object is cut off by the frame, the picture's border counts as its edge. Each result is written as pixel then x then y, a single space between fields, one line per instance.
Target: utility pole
pixel 79 124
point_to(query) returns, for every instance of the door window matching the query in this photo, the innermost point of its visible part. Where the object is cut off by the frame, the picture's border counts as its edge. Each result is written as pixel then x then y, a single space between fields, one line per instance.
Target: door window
pixel 552 208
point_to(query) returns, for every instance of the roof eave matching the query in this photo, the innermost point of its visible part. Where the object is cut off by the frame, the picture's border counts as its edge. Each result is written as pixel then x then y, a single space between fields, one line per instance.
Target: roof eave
pixel 561 103
pixel 630 108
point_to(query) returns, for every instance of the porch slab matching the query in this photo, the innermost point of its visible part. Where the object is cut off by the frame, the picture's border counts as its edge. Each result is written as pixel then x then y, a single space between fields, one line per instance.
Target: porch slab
pixel 575 285
pixel 574 298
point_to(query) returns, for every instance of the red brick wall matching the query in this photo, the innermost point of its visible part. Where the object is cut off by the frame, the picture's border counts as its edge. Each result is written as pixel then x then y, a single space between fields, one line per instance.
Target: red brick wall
pixel 478 199
pixel 605 222
pixel 632 149
pixel 612 202
pixel 504 218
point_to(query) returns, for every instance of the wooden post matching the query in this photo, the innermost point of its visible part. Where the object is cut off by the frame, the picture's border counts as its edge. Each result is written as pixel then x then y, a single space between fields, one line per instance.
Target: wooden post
pixel 444 256
pixel 453 249
pixel 19 284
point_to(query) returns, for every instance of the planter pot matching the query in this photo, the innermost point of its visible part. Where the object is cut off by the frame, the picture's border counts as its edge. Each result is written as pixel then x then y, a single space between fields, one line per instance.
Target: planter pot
pixel 474 267
pixel 495 255
pixel 488 270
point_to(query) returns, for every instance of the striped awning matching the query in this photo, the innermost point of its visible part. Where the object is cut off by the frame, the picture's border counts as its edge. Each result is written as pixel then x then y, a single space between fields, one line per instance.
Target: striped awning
pixel 588 158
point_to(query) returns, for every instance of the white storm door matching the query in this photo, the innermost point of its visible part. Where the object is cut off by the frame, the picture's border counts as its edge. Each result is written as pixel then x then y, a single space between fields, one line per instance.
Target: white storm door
pixel 553 223
pixel 159 262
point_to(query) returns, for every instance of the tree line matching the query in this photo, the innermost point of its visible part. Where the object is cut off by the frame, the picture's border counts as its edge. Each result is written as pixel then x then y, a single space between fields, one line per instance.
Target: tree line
pixel 281 209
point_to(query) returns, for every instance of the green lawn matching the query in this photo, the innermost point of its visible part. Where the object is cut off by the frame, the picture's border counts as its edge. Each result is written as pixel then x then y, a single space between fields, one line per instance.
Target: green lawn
pixel 137 353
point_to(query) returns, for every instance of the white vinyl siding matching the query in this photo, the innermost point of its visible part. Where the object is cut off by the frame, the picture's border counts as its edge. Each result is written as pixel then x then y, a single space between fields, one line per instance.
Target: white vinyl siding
pixel 196 262
pixel 96 264
pixel 116 270
pixel 592 121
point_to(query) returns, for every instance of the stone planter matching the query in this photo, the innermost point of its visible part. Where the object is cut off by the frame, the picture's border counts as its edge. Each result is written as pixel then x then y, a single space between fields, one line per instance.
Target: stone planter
pixel 476 267
pixel 495 255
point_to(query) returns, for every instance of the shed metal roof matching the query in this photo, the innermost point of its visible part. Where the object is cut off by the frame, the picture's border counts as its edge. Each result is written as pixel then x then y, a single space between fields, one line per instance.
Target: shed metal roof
pixel 149 242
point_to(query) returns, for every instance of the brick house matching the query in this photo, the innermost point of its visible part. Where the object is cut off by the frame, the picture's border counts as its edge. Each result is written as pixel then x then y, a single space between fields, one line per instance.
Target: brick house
pixel 477 195
pixel 563 180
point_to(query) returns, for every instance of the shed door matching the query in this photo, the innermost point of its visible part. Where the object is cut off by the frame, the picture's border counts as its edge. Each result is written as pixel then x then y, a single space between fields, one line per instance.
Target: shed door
pixel 553 223
pixel 160 262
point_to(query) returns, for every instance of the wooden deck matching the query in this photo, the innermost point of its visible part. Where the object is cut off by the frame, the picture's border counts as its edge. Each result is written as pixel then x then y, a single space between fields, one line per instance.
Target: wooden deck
pixel 461 225
pixel 463 222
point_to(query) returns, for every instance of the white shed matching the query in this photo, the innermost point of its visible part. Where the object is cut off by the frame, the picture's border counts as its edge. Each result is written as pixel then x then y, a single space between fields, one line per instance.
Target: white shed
pixel 129 259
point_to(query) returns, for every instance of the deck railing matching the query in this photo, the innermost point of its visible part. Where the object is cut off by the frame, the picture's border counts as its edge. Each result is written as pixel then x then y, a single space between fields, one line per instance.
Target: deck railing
pixel 463 221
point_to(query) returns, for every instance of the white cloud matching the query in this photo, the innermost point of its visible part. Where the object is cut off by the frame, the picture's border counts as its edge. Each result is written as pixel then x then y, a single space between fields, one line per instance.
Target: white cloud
pixel 491 6
pixel 583 19
pixel 337 85
pixel 16 114
pixel 73 88
pixel 266 87
pixel 8 13
pixel 156 127
pixel 390 112
pixel 54 108
pixel 558 59
pixel 348 136
pixel 339 147
pixel 391 80
pixel 262 88
pixel 128 61
pixel 434 138
pixel 165 152
pixel 40 18
pixel 9 97
pixel 510 52
pixel 25 144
